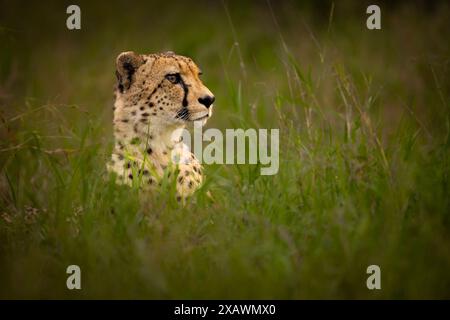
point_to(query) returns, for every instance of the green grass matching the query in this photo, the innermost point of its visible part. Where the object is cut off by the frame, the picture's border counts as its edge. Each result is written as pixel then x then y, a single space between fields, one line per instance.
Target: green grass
pixel 364 120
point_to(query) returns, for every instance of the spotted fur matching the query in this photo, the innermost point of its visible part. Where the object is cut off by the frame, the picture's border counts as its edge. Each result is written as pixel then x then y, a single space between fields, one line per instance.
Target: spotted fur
pixel 157 94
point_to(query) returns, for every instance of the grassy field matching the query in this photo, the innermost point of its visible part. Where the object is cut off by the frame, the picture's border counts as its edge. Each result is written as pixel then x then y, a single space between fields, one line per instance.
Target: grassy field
pixel 364 119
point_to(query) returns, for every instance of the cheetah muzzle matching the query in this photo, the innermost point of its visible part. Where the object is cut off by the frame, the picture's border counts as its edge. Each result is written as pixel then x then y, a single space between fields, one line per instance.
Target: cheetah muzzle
pixel 157 94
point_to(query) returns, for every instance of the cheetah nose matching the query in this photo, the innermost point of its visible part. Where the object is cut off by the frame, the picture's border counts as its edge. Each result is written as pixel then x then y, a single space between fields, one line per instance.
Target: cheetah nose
pixel 207 101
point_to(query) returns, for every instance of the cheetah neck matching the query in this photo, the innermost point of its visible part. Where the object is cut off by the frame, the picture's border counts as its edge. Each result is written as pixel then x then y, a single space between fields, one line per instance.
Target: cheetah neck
pixel 137 140
pixel 147 150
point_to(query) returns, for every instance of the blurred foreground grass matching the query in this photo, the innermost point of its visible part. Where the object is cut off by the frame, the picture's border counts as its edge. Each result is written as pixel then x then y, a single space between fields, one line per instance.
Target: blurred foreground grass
pixel 364 159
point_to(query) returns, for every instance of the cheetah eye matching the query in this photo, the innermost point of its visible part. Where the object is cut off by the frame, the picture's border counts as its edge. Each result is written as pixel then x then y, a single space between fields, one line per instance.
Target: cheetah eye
pixel 173 77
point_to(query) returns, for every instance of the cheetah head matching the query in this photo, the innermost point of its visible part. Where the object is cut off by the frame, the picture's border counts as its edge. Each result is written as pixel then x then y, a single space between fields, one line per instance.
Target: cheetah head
pixel 165 88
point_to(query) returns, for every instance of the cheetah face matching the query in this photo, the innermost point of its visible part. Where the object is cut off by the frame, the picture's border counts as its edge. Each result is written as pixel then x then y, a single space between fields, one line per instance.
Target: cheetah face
pixel 166 86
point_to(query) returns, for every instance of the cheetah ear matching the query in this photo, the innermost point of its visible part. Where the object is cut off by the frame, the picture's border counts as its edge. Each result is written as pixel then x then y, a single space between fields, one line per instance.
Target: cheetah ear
pixel 126 65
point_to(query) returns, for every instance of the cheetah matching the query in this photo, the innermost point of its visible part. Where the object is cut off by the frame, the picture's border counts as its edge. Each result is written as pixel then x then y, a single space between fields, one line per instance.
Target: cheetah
pixel 157 94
